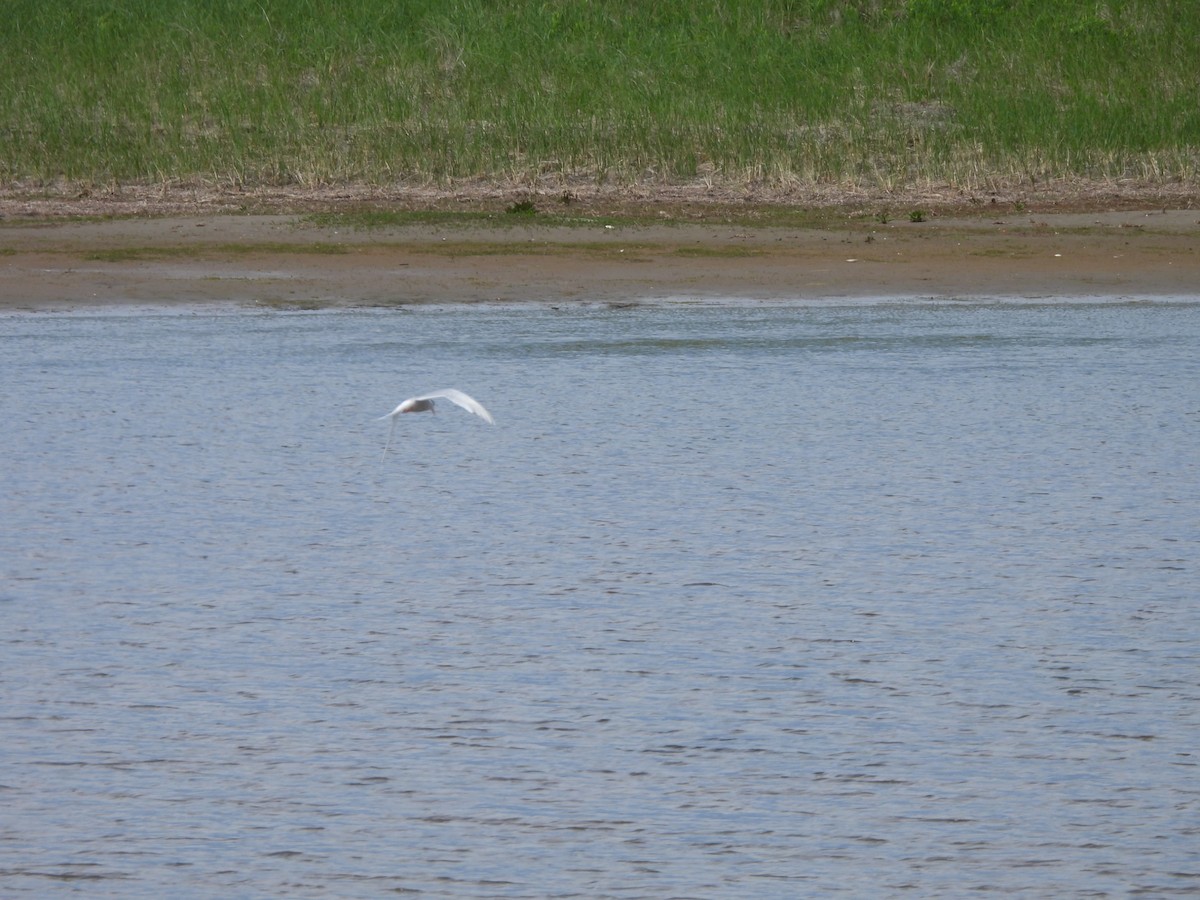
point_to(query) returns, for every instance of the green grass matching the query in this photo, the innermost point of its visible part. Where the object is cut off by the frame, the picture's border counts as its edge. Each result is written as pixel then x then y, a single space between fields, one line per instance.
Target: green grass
pixel 357 219
pixel 889 93
pixel 369 219
pixel 509 248
pixel 137 254
pixel 719 252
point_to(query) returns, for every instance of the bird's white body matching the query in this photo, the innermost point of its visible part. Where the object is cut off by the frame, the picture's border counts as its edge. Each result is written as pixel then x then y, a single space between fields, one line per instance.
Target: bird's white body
pixel 424 403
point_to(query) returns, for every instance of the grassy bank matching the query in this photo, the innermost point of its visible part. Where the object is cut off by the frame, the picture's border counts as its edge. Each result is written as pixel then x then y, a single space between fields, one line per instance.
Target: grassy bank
pixel 887 93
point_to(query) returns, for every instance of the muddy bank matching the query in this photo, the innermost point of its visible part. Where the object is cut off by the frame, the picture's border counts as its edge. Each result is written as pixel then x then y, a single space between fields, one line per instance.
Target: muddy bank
pixel 293 260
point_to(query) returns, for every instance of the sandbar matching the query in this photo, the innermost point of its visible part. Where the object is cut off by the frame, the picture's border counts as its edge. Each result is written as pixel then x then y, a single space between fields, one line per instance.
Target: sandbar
pixel 293 259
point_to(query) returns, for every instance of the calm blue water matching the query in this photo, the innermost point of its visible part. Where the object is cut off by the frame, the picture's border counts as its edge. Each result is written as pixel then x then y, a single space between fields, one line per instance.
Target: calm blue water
pixel 873 600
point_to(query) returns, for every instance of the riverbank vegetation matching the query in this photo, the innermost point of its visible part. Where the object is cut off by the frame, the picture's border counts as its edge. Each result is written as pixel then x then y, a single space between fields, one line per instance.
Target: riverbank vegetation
pixel 885 93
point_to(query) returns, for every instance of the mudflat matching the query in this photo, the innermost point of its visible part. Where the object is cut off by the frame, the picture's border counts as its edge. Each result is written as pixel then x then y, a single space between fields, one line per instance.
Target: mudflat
pixel 74 257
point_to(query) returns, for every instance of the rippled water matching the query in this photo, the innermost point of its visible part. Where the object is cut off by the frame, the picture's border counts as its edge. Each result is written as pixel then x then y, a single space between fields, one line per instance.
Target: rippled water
pixel 881 599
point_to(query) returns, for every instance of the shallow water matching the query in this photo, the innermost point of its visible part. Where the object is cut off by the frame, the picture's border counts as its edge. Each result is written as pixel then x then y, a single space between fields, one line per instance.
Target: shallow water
pixel 877 599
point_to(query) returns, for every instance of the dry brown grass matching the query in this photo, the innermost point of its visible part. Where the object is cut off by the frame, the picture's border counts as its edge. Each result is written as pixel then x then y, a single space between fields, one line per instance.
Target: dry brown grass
pixel 554 199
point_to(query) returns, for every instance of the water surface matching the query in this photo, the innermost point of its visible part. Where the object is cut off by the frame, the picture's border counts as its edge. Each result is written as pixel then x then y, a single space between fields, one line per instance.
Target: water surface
pixel 876 599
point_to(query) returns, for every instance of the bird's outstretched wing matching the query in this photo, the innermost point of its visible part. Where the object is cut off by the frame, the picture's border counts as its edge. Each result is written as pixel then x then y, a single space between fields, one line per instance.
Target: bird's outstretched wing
pixel 458 398
pixel 424 403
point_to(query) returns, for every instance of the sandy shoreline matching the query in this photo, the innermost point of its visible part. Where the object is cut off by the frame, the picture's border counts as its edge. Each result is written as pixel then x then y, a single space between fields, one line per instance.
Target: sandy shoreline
pixel 286 260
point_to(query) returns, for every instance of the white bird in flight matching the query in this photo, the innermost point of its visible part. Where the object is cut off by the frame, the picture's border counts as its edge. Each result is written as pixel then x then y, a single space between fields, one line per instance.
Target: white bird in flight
pixel 424 403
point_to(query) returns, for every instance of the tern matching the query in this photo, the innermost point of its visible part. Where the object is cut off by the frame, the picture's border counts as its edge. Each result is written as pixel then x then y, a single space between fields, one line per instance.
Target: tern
pixel 424 403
